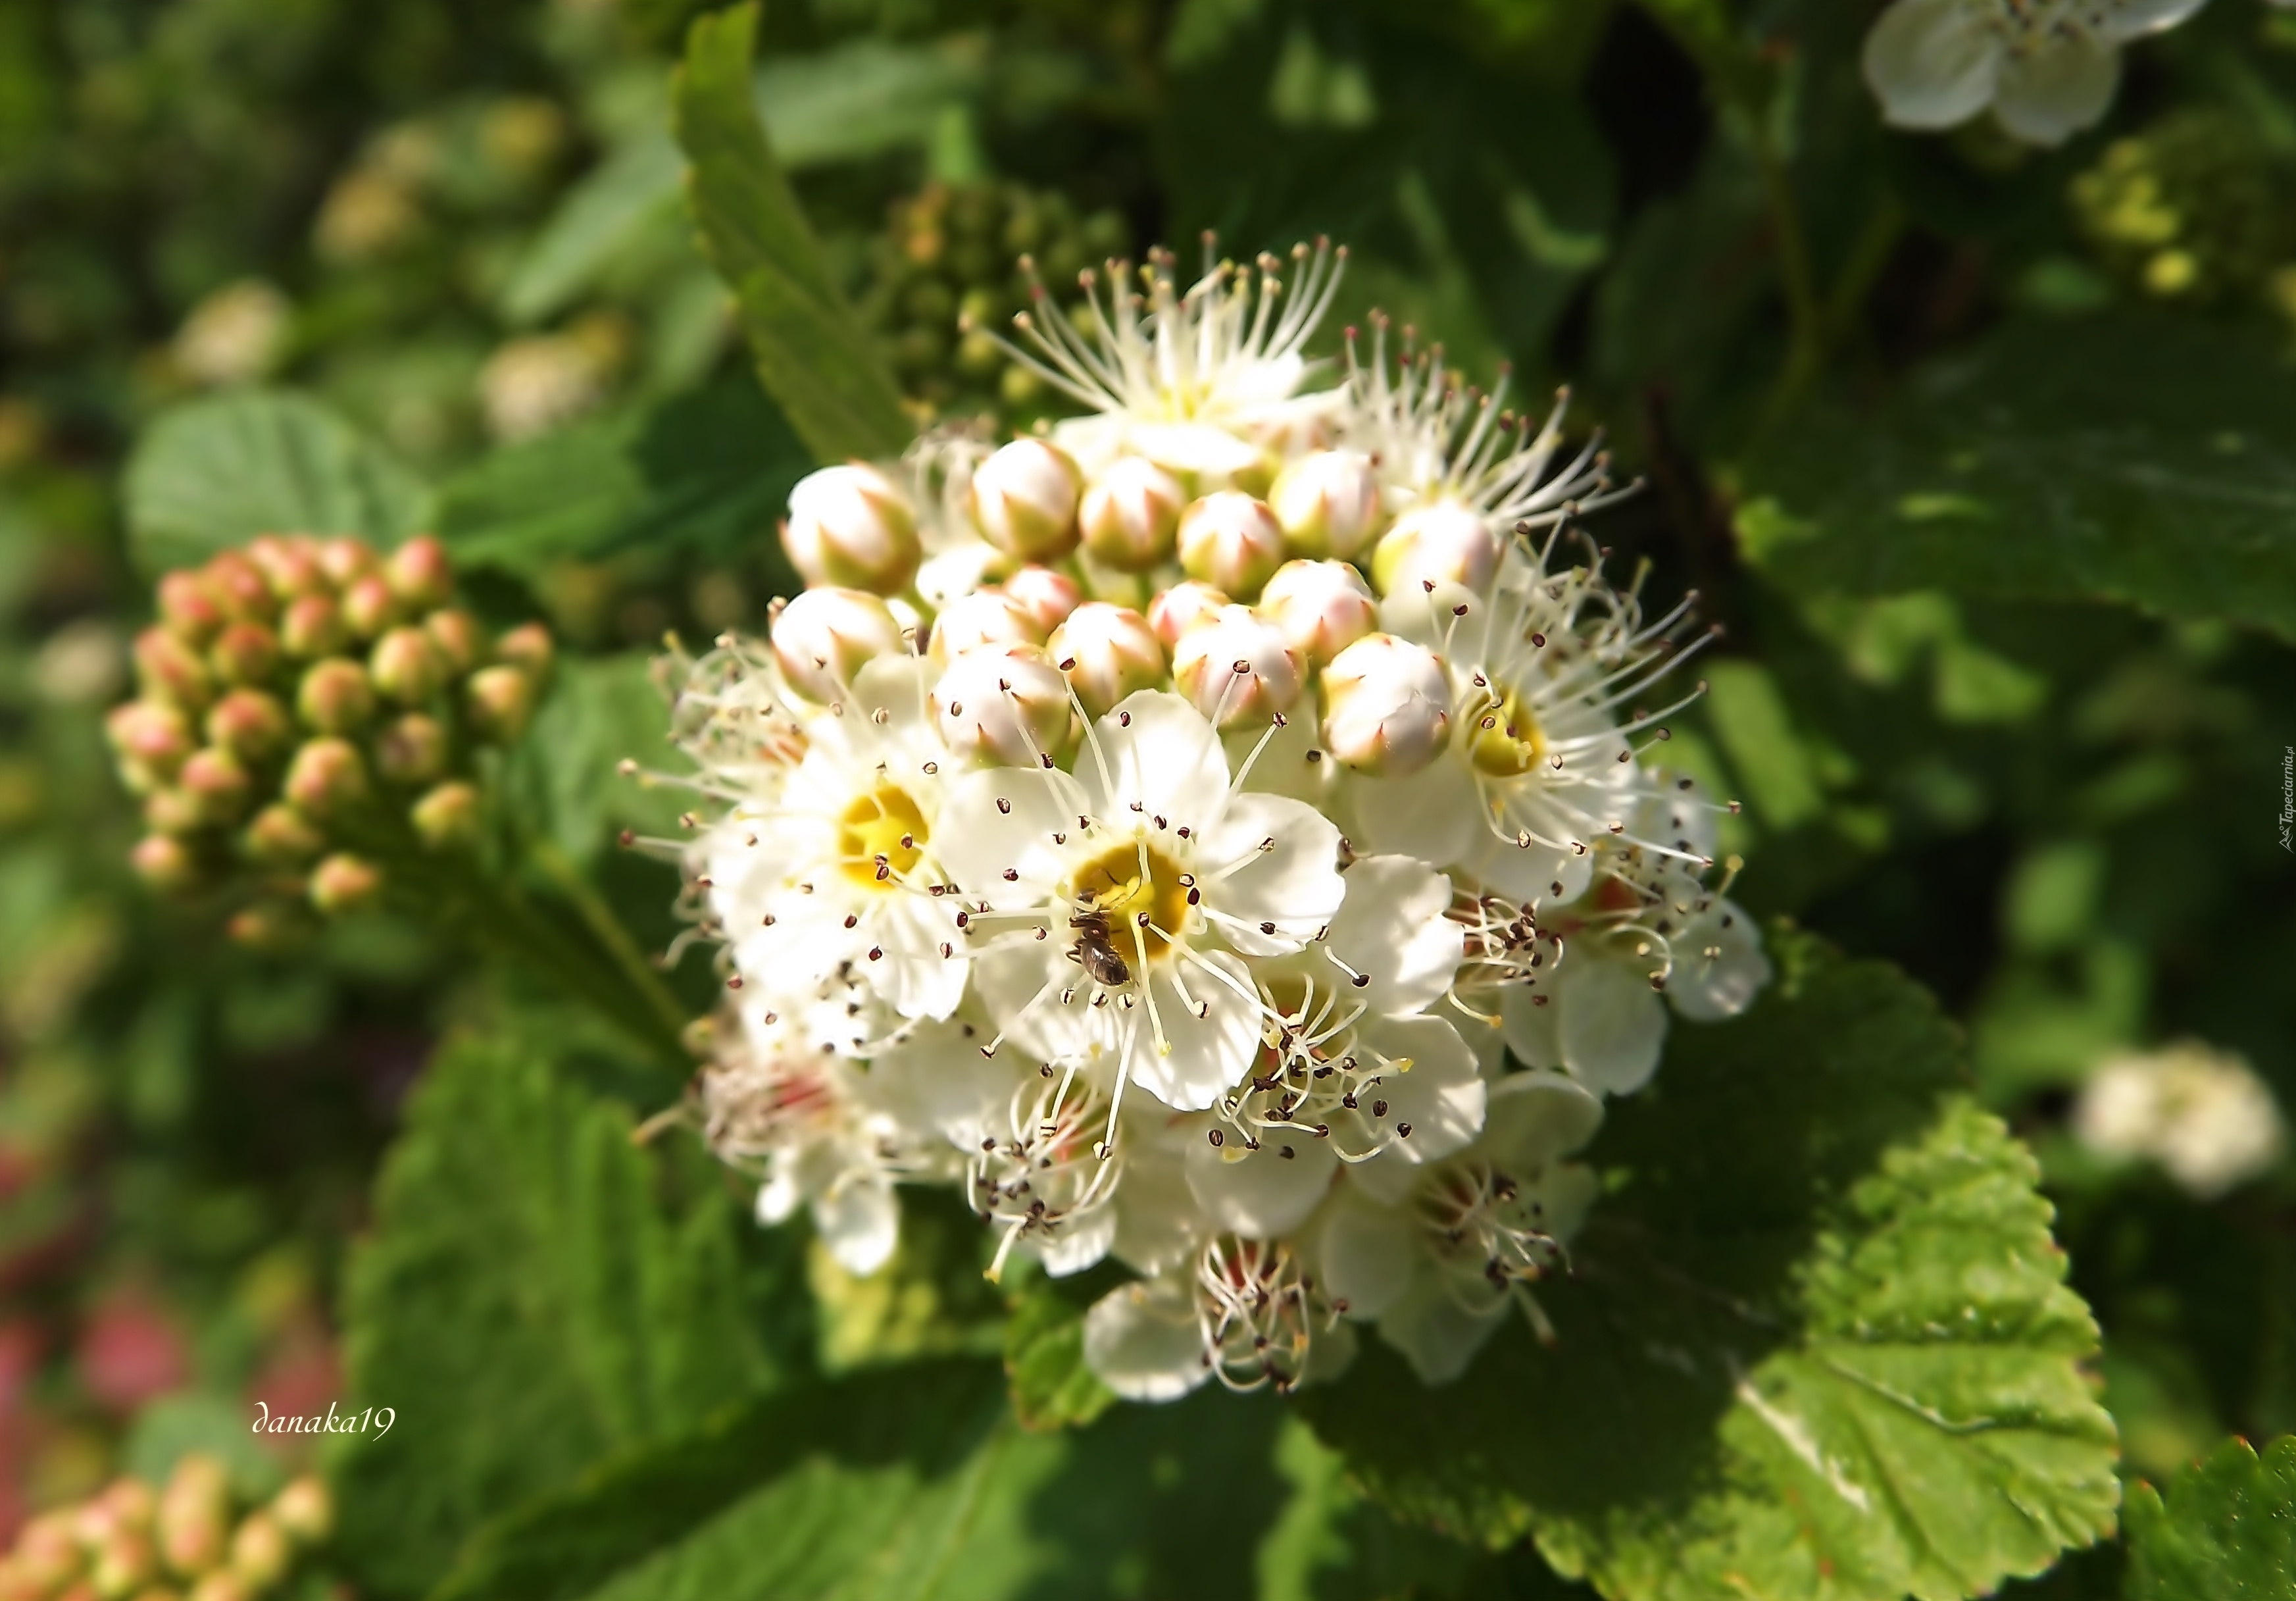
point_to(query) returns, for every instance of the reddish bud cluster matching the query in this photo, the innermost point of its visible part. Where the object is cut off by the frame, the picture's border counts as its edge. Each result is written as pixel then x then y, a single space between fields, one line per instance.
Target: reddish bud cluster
pixel 181 1541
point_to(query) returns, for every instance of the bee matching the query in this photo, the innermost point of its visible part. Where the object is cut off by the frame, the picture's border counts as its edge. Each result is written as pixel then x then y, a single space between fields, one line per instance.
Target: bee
pixel 1095 950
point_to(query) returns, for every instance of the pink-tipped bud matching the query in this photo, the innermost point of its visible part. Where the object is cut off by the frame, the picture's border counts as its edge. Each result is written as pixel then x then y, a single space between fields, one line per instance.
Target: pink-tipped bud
pixel 151 739
pixel 1228 539
pixel 985 620
pixel 420 573
pixel 326 779
pixel 222 1585
pixel 1236 668
pixel 1319 607
pixel 407 667
pixel 345 883
pixel 528 645
pixel 1024 500
pixel 172 811
pixel 1183 607
pixel 1327 503
pixel 282 837
pixel 1387 706
pixel 447 818
pixel 249 724
pixel 190 609
pixel 1131 515
pixel 305 1510
pixel 411 750
pixel 245 653
pixel 1444 543
pixel 290 563
pixel 240 587
pixel 1007 706
pixel 852 528
pixel 821 639
pixel 461 642
pixel 195 1507
pixel 126 1561
pixel 171 670
pixel 268 925
pixel 216 786
pixel 165 863
pixel 312 627
pixel 1107 652
pixel 131 1504
pixel 499 699
pixel 346 560
pixel 335 696
pixel 1047 595
pixel 369 606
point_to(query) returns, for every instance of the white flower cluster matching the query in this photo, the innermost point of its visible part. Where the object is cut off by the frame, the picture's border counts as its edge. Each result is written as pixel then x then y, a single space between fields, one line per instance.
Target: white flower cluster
pixel 1164 827
pixel 2202 1114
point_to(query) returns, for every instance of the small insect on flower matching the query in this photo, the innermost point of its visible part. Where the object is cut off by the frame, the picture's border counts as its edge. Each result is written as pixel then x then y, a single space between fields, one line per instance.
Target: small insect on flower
pixel 1093 950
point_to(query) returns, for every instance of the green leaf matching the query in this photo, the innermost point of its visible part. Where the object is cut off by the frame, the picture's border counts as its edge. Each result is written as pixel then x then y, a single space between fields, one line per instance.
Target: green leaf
pixel 2126 458
pixel 611 205
pixel 707 473
pixel 1817 1342
pixel 1044 1360
pixel 811 352
pixel 2226 1530
pixel 529 1301
pixel 563 780
pixel 219 471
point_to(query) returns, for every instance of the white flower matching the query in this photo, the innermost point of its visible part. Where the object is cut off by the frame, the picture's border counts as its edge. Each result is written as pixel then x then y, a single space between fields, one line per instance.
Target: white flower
pixel 1045 1179
pixel 1111 911
pixel 1201 382
pixel 1243 1313
pixel 237 334
pixel 2046 68
pixel 849 525
pixel 2202 1114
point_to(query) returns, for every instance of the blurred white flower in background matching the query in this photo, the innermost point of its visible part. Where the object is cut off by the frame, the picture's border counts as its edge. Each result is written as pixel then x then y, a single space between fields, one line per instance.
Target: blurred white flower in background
pixel 2200 1112
pixel 235 334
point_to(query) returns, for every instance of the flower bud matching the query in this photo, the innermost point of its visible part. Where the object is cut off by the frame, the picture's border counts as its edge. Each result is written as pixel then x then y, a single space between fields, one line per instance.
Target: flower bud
pixel 850 527
pixel 407 667
pixel 1387 706
pixel 188 608
pixel 1175 610
pixel 125 1561
pixel 282 837
pixel 447 818
pixel 459 639
pixel 260 1552
pixel 411 750
pixel 1445 543
pixel 173 811
pixel 346 560
pixel 151 739
pixel 249 723
pixel 335 696
pixel 49 1552
pixel 499 699
pixel 326 779
pixel 1008 706
pixel 823 637
pixel 165 863
pixel 245 653
pixel 985 620
pixel 171 670
pixel 369 607
pixel 420 573
pixel 194 1510
pixel 130 1504
pixel 1327 503
pixel 222 1585
pixel 240 587
pixel 1024 500
pixel 1107 652
pixel 1319 607
pixel 527 645
pixel 1230 540
pixel 277 927
pixel 345 883
pixel 1235 669
pixel 304 1508
pixel 1131 515
pixel 1046 596
pixel 312 627
pixel 217 786
pixel 290 564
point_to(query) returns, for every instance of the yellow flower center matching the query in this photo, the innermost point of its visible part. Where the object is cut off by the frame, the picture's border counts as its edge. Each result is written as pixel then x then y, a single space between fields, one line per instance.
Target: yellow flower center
pixel 1503 738
pixel 1142 892
pixel 880 837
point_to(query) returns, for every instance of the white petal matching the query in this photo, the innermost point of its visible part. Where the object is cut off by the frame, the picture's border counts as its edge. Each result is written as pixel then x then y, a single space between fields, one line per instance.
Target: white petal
pixel 1433 813
pixel 2131 19
pixel 1531 1033
pixel 1534 1118
pixel 1441 1098
pixel 1366 1252
pixel 1201 1056
pixel 897 685
pixel 1160 751
pixel 1611 1023
pixel 1435 1332
pixel 860 1222
pixel 1078 1243
pixel 1392 929
pixel 912 975
pixel 779 1196
pixel 1265 1193
pixel 1709 988
pixel 2053 92
pixel 937 1078
pixel 1143 1340
pixel 980 840
pixel 1933 62
pixel 1158 1224
pixel 1294 883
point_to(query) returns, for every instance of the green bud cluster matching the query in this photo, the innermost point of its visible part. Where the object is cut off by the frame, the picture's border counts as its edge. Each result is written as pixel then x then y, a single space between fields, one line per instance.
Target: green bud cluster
pixel 296 694
pixel 185 1540
pixel 2198 207
pixel 943 284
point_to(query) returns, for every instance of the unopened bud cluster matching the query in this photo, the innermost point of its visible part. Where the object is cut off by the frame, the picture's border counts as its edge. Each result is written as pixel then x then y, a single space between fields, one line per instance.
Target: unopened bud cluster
pixel 1224 831
pixel 189 1540
pixel 307 706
